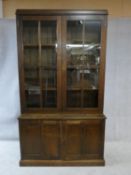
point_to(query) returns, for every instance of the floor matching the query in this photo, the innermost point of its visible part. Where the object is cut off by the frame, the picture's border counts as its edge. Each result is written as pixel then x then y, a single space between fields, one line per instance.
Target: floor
pixel 117 155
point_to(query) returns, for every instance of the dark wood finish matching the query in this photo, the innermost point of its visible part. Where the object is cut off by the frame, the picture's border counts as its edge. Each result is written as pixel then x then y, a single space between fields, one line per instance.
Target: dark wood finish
pixel 93 147
pixel 94 162
pixel 62 139
pixel 73 137
pixel 20 61
pixel 51 142
pixel 39 12
pixel 102 65
pixel 30 136
pixel 61 124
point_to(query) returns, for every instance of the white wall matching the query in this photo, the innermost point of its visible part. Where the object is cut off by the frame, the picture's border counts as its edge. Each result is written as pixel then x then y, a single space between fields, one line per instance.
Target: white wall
pixel 118 80
pixel 9 95
pixel 1 8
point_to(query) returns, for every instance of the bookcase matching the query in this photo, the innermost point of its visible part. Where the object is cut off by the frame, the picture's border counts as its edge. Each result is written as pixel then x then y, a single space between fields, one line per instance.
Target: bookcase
pixel 61 73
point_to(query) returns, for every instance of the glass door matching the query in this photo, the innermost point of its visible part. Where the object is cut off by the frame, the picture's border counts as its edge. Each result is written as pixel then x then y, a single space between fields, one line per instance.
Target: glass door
pixel 40 41
pixel 49 63
pixel 82 63
pixel 31 64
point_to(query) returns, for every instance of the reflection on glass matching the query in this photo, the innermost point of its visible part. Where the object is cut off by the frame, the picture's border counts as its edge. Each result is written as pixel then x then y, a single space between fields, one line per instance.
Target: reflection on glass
pixel 83 58
pixel 74 78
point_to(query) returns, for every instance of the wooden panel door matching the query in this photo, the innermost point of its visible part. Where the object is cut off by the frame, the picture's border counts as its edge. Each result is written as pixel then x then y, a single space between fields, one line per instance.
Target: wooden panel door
pixel 30 134
pixel 93 139
pixel 51 142
pixel 73 137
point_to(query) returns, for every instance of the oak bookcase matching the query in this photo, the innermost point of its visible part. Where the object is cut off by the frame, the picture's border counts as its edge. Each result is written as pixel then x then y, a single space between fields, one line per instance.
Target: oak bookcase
pixel 61 71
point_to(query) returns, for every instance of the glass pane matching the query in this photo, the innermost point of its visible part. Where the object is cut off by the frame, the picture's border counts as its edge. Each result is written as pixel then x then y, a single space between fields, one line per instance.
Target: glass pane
pixel 32 94
pixel 91 98
pixel 74 78
pixel 30 32
pixel 74 98
pixel 48 32
pixel 49 78
pixel 31 73
pixel 48 57
pixel 83 58
pixel 32 88
pixel 74 32
pixel 90 79
pixel 49 97
pixel 49 63
pixel 74 51
pixel 31 57
pixel 92 32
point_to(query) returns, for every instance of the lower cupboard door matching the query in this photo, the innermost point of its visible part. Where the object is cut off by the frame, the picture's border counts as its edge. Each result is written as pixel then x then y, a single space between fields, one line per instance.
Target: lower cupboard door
pixel 72 143
pixel 51 140
pixel 30 139
pixel 93 139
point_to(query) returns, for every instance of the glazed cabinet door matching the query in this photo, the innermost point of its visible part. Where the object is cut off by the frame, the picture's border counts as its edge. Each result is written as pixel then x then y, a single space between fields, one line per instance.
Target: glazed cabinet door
pixel 51 140
pixel 40 63
pixel 83 62
pixel 30 136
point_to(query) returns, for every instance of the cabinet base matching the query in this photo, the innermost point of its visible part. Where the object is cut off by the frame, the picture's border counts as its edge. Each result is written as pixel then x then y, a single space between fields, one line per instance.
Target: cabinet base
pixel 62 163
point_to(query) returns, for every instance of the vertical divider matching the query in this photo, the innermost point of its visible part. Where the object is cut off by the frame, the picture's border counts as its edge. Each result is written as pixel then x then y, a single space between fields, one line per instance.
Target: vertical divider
pixel 64 66
pixel 39 59
pixel 102 64
pixel 21 51
pixel 59 64
pixel 83 42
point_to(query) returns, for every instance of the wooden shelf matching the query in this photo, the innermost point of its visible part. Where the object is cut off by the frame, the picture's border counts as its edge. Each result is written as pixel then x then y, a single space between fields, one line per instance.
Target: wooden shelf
pixel 38 89
pixel 49 89
pixel 31 45
pixel 79 89
pixel 41 67
pixel 43 45
pixel 48 67
pixel 31 68
pixel 48 45
pixel 82 67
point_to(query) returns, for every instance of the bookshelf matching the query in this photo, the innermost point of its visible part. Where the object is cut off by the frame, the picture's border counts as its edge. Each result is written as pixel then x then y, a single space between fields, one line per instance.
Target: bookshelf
pixel 61 73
